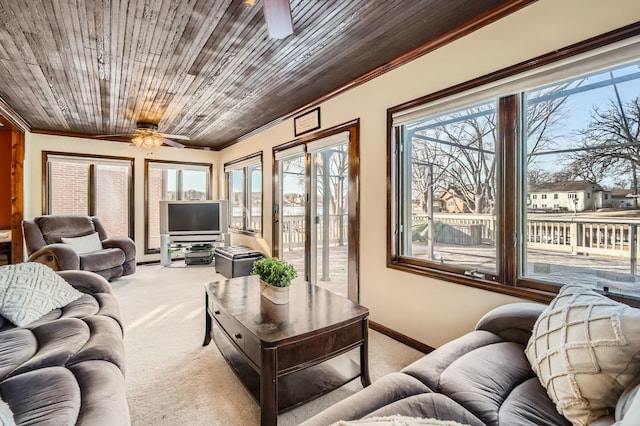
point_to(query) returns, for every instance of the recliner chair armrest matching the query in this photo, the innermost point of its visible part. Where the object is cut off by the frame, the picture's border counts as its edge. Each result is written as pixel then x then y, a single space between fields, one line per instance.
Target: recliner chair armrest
pixel 86 282
pixel 125 244
pixel 513 321
pixel 59 257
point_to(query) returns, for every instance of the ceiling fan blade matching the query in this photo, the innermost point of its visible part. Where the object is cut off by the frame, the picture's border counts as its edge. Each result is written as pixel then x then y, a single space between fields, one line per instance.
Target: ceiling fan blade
pixel 179 137
pixel 277 13
pixel 119 135
pixel 171 143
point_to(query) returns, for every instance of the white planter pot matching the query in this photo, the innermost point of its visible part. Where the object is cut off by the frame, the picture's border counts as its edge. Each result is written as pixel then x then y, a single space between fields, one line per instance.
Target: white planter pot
pixel 278 295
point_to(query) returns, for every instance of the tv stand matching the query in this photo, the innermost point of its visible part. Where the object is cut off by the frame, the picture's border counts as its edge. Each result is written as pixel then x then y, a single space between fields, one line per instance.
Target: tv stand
pixel 199 247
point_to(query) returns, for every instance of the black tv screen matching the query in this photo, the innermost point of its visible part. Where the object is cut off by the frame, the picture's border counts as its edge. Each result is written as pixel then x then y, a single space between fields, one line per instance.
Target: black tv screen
pixel 194 217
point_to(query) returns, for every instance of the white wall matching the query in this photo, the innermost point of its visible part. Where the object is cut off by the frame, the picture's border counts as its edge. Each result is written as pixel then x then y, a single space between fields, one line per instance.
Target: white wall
pixel 430 310
pixel 36 143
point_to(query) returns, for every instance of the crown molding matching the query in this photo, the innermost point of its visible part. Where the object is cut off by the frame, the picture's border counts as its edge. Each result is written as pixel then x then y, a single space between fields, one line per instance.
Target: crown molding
pixel 13 117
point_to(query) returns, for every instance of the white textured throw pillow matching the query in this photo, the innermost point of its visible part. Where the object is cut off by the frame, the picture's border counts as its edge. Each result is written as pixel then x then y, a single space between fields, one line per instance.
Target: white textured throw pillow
pixel 85 244
pixel 585 350
pixel 6 415
pixel 30 290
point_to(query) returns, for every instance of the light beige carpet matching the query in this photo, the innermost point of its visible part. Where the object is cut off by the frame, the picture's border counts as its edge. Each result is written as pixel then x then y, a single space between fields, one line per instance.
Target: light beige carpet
pixel 173 380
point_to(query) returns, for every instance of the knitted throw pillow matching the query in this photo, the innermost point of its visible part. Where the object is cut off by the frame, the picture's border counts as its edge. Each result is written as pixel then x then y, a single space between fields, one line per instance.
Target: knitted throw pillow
pixel 30 290
pixel 585 349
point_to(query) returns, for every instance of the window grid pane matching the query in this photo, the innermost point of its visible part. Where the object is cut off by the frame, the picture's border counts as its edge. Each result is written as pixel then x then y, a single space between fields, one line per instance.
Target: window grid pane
pixel 112 203
pixel 68 188
pixel 236 198
pixel 255 198
pixel 448 189
pixel 582 152
pixel 172 182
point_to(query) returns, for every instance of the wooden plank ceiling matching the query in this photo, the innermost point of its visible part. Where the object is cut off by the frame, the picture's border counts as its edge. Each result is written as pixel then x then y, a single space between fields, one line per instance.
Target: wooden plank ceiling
pixel 206 69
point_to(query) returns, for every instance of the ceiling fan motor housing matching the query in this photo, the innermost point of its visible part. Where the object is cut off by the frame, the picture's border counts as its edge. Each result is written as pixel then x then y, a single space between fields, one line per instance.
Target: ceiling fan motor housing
pixel 145 125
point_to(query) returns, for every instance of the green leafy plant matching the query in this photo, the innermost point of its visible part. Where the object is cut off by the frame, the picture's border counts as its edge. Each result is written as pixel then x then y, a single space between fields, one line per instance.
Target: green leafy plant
pixel 277 273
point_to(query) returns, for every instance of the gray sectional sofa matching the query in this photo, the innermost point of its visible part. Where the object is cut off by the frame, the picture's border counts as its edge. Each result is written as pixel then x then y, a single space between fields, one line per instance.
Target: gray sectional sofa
pixel 485 377
pixel 67 367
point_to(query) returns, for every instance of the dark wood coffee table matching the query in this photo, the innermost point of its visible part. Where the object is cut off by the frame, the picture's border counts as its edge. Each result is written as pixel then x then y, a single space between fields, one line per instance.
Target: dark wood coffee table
pixel 286 354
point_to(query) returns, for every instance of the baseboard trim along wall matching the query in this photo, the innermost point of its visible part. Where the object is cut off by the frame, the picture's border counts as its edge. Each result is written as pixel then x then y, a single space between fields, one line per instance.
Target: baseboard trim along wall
pixel 412 343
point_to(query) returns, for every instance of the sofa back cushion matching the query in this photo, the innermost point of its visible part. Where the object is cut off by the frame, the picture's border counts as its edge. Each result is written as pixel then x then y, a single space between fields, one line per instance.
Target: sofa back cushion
pixel 55 227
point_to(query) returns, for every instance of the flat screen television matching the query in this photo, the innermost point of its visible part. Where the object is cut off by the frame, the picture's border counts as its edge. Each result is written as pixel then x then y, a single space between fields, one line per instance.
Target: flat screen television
pixel 202 217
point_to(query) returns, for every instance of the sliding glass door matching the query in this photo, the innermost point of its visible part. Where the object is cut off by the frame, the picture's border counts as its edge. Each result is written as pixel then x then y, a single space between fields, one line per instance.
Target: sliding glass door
pixel 292 202
pixel 329 264
pixel 315 214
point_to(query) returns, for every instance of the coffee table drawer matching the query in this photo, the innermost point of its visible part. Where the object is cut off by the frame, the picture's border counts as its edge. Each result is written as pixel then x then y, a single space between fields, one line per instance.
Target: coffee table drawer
pixel 228 324
pixel 247 342
pixel 321 346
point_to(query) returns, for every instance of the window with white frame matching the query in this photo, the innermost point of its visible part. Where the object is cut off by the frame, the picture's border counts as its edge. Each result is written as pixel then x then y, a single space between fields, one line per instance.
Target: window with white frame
pixel 568 127
pixel 244 192
pixel 91 185
pixel 172 181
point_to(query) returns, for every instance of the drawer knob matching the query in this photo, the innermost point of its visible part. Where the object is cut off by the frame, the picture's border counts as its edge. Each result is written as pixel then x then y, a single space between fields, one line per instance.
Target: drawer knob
pixel 216 312
pixel 238 336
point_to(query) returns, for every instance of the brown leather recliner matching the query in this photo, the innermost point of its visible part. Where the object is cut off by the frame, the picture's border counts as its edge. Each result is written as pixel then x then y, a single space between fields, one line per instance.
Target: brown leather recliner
pixel 43 238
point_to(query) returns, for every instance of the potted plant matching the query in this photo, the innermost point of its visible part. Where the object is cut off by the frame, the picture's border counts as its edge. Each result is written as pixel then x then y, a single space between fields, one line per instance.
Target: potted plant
pixel 277 275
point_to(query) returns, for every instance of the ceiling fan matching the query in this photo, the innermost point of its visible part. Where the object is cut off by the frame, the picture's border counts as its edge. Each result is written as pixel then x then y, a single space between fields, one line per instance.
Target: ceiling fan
pixel 146 135
pixel 277 13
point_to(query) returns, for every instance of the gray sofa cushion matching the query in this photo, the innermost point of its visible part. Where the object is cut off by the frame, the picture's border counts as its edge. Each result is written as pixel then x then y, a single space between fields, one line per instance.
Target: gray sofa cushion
pixel 68 366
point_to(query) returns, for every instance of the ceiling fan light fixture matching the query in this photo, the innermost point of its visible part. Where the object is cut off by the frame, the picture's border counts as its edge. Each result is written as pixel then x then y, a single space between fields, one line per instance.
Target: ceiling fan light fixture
pixel 146 141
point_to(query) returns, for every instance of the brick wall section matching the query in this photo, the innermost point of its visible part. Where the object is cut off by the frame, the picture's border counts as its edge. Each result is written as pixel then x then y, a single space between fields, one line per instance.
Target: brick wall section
pixel 112 200
pixel 69 183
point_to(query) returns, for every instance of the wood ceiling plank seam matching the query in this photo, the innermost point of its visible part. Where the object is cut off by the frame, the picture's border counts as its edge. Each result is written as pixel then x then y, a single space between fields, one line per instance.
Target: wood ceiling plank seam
pixel 87 69
pixel 230 28
pixel 145 61
pixel 91 48
pixel 267 96
pixel 224 71
pixel 67 25
pixel 10 16
pixel 129 64
pixel 117 113
pixel 167 15
pixel 43 67
pixel 103 62
pixel 29 93
pixel 336 58
pixel 299 39
pixel 80 73
pixel 267 49
pixel 203 41
pixel 56 76
pixel 195 37
pixel 218 34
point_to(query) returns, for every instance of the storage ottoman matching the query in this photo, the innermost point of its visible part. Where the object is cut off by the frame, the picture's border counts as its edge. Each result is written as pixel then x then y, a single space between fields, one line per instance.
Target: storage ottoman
pixel 235 261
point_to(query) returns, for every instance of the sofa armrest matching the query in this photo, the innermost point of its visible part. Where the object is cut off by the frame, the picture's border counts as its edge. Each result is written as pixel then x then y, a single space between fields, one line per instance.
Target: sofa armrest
pixel 59 257
pixel 512 322
pixel 125 244
pixel 86 282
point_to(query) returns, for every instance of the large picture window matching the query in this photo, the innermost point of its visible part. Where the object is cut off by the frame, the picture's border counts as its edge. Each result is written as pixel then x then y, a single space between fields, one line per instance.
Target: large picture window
pixel 95 186
pixel 244 192
pixel 172 181
pixel 530 181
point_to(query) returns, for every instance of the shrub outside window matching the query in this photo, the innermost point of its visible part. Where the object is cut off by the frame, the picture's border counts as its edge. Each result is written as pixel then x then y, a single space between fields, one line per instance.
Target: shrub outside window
pixel 466 170
pixel 244 192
